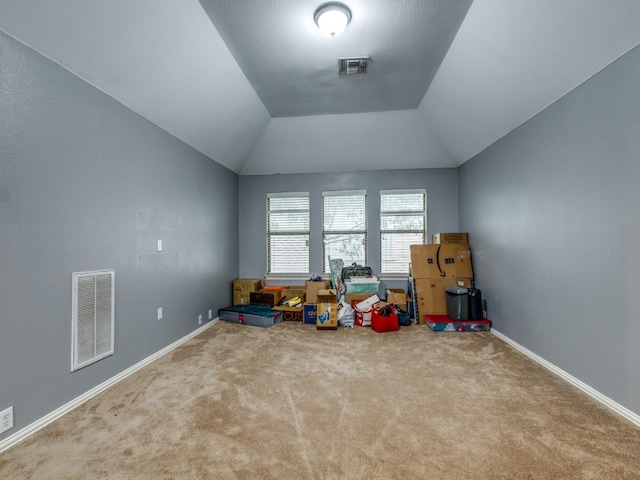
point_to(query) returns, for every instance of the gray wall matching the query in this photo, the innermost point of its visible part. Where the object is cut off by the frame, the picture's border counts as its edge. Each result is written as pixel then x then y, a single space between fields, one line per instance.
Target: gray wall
pixel 87 184
pixel 554 229
pixel 442 209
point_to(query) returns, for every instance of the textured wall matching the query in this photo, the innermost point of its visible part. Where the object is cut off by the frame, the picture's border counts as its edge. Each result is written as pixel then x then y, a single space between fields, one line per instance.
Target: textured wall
pixel 554 230
pixel 442 208
pixel 87 184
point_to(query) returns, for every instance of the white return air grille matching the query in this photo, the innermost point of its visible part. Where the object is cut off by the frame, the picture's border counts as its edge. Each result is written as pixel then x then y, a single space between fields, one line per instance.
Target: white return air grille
pixel 93 318
pixel 353 65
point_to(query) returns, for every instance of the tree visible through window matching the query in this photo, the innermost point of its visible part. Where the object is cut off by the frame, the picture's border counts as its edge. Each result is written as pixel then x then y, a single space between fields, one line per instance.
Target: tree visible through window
pixel 288 233
pixel 344 227
pixel 403 222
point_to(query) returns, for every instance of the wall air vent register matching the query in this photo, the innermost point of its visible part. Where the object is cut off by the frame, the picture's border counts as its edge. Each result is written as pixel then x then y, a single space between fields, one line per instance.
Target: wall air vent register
pixel 92 317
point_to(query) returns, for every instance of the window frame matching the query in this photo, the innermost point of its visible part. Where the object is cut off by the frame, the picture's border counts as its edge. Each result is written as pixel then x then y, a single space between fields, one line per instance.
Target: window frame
pixel 363 231
pixel 385 231
pixel 293 232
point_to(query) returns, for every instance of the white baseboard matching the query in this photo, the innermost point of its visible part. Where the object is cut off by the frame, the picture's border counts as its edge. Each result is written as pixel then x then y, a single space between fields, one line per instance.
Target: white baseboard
pixel 616 407
pixel 76 402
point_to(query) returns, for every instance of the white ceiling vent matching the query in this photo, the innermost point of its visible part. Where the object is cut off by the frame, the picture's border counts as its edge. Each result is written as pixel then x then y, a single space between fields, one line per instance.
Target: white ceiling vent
pixel 353 65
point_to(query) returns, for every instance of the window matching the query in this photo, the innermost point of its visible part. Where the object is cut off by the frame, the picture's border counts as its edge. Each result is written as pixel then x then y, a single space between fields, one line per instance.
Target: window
pixel 287 233
pixel 403 222
pixel 344 227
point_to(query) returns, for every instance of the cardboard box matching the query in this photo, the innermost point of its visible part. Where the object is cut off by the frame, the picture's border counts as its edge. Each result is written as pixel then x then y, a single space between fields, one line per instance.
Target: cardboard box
pixel 434 261
pixel 243 287
pixel 355 297
pixel 327 317
pixel 397 296
pixel 310 312
pixel 268 298
pixel 431 297
pixel 313 287
pixel 294 290
pixel 459 238
pixel 291 313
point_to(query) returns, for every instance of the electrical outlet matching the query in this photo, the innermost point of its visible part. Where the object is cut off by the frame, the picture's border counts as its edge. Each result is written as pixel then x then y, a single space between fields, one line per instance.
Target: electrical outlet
pixel 6 419
pixel 210 314
pixel 200 319
pixel 160 313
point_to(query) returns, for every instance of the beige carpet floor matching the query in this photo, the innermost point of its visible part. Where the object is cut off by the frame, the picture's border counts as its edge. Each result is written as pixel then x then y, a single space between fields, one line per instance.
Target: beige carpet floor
pixel 290 402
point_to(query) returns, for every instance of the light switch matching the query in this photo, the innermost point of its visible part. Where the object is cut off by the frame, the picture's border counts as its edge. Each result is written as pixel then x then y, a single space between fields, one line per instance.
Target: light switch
pixel 159 245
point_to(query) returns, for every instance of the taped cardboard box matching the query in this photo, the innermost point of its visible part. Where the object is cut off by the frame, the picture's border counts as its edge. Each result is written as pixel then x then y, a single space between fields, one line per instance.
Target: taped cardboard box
pixel 433 261
pixel 313 287
pixel 327 316
pixel 243 287
pixel 431 297
pixel 460 238
pixel 397 296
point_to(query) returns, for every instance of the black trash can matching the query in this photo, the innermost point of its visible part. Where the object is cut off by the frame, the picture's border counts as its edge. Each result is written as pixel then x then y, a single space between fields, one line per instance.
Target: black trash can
pixel 475 304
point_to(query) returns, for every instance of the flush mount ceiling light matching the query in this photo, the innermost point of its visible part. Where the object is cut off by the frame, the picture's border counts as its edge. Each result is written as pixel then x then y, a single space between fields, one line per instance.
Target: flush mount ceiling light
pixel 332 18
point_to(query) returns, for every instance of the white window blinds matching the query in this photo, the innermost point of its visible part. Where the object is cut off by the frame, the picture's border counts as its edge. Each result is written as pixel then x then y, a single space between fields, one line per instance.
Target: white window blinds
pixel 403 222
pixel 288 233
pixel 344 227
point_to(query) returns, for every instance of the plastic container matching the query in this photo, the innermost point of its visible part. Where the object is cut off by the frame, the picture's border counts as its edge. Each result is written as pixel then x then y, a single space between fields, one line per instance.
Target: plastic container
pixel 457 302
pixel 255 315
pixel 360 286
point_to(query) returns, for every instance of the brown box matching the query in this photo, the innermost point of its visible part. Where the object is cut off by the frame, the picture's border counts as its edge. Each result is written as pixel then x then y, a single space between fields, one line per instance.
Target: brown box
pixel 358 297
pixel 451 237
pixel 268 298
pixel 313 287
pixel 327 316
pixel 397 296
pixel 294 290
pixel 243 287
pixel 431 297
pixel 289 313
pixel 445 260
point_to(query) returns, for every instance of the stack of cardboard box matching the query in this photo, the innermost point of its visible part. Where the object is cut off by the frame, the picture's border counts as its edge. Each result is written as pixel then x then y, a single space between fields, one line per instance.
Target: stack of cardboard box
pixel 242 289
pixel 436 266
pixel 311 302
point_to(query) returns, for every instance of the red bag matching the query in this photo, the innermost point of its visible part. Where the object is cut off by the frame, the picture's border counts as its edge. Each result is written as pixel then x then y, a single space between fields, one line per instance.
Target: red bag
pixel 384 323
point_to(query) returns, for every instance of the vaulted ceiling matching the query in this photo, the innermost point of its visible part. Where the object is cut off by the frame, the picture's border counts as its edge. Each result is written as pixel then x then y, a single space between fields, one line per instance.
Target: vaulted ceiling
pixel 254 85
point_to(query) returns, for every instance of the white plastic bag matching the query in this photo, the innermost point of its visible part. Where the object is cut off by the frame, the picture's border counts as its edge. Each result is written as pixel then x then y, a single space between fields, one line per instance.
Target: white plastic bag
pixel 346 315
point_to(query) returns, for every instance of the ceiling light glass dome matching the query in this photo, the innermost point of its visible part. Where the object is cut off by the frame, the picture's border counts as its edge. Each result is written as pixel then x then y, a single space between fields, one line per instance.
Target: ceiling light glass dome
pixel 332 18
